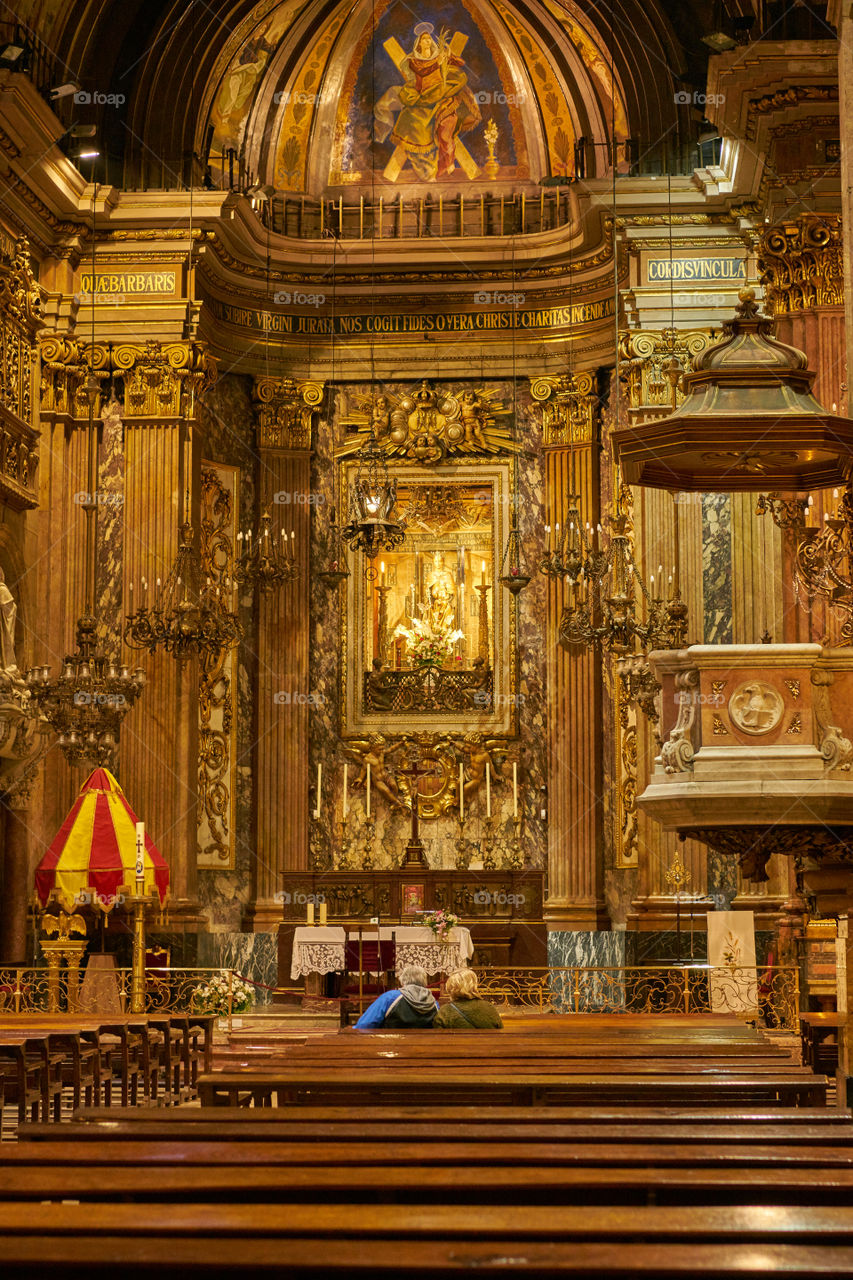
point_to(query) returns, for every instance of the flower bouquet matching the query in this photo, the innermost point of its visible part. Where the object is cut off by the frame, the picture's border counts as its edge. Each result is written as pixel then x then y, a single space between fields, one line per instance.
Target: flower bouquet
pixel 441 922
pixel 212 996
pixel 428 648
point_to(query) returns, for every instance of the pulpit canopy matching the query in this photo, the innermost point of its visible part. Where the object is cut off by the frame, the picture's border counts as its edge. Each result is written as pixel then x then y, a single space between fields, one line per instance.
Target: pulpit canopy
pixel 94 852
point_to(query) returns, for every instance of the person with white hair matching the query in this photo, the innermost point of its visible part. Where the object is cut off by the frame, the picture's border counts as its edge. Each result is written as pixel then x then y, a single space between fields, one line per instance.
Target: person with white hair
pixel 411 1005
pixel 467 1011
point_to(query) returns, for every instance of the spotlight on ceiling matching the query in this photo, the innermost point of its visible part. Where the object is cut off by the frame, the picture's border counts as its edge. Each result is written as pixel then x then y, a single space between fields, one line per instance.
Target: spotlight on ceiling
pixel 11 55
pixel 720 41
pixel 83 130
pixel 64 90
pixel 91 153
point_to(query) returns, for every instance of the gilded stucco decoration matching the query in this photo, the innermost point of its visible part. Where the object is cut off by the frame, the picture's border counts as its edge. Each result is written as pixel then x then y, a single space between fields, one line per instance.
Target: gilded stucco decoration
pixel 427 425
pixel 287 410
pixel 652 363
pixel 217 737
pixel 569 407
pixel 20 319
pixel 801 263
pixel 441 755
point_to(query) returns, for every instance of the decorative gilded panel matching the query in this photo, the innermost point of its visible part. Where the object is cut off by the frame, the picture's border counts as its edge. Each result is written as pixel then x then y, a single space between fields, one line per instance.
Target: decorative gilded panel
pixel 217 739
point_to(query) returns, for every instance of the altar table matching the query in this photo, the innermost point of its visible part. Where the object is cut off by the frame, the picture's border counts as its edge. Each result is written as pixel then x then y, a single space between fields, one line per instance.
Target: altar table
pixel 323 949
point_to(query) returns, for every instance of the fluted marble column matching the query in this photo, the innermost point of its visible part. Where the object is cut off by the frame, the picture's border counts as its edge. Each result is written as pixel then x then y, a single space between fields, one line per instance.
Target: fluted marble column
pixel 575 812
pixel 283 696
pixel 158 756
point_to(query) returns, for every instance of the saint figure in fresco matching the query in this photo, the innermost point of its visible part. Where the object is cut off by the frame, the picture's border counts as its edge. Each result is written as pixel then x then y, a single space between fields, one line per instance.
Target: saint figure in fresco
pixel 426 115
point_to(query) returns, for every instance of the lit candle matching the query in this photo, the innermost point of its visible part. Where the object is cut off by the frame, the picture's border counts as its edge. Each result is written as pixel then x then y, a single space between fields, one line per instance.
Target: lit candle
pixel 482 573
pixel 367 812
pixel 319 792
pixel 461 793
pixel 514 789
pixel 346 798
pixel 382 573
pixel 140 852
pixel 323 913
pixel 488 790
pixel 309 916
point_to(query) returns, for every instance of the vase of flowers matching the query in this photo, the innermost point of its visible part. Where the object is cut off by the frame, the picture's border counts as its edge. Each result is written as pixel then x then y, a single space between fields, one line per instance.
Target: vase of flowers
pixel 428 648
pixel 441 922
pixel 213 996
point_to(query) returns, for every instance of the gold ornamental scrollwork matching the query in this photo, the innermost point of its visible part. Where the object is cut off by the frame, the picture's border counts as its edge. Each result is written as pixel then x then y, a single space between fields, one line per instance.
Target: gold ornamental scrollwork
pixel 569 407
pixel 162 380
pixel 20 318
pixel 286 412
pixel 801 263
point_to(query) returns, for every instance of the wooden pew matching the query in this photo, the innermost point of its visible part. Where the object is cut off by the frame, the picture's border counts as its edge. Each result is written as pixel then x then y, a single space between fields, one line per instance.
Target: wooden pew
pixel 449 1086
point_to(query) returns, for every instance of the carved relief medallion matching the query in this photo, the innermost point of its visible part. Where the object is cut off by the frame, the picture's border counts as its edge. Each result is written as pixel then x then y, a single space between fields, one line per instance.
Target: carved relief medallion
pixel 756 708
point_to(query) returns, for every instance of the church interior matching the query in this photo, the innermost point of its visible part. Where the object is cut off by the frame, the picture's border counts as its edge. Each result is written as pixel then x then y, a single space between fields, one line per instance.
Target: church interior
pixel 426 538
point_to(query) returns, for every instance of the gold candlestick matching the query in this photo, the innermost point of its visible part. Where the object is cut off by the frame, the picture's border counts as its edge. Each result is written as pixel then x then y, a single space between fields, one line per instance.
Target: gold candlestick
pixel 484 645
pixel 382 629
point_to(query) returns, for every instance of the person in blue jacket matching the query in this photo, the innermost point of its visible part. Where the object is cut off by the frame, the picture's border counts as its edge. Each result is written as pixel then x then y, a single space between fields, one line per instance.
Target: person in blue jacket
pixel 410 1005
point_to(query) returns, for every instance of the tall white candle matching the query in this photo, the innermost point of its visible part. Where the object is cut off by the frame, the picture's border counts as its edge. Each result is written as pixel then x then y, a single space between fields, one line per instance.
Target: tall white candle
pixel 140 850
pixel 319 789
pixel 514 789
pixel 488 790
pixel 461 792
pixel 346 804
pixel 367 811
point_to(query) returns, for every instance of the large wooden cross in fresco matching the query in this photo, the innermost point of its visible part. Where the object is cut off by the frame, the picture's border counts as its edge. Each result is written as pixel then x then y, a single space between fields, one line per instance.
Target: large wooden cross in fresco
pixel 397 163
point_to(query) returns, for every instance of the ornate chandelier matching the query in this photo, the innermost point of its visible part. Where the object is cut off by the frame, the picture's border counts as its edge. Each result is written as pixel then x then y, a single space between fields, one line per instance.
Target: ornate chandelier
pixel 264 560
pixel 824 561
pixel 86 704
pixel 373 524
pixel 189 613
pixel 608 594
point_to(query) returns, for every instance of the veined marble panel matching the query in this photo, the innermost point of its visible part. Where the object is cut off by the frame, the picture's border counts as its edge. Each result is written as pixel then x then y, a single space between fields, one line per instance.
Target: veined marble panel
pixel 587 992
pixel 717 568
pixel 252 955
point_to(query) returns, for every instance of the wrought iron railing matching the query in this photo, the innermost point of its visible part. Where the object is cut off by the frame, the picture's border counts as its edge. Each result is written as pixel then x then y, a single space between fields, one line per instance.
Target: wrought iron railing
pixel 167 990
pixel 428 688
pixel 773 993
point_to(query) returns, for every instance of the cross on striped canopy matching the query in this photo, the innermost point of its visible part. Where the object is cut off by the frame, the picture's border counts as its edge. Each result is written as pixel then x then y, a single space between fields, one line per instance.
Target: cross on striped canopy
pixel 94 852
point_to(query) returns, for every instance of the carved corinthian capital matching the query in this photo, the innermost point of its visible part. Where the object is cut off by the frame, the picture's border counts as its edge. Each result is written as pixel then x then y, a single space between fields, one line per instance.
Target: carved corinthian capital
pixel 286 412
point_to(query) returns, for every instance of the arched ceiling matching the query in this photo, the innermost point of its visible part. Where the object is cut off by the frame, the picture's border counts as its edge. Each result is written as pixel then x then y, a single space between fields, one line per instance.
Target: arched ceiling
pixel 305 89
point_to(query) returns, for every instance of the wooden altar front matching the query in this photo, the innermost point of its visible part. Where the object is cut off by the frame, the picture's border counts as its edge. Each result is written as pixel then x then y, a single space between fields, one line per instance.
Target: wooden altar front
pixel 503 909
